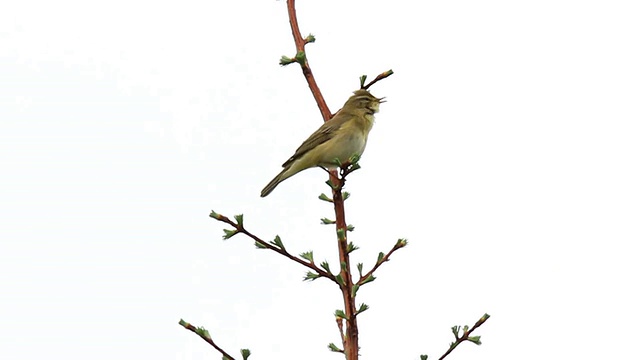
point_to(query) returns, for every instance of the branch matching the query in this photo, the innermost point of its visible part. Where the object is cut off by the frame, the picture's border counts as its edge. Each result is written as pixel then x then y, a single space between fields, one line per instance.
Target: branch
pixel 332 346
pixel 301 59
pixel 465 335
pixel 350 339
pixel 344 278
pixel 381 259
pixel 204 334
pixel 384 75
pixel 279 247
pixel 340 324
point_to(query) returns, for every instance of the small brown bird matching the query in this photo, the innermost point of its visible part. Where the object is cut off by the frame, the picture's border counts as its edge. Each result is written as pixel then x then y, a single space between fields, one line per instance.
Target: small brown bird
pixel 343 136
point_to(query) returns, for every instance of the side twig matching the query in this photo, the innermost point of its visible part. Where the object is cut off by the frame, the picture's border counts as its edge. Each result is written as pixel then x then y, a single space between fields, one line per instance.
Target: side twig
pixel 204 335
pixel 384 75
pixel 239 228
pixel 382 259
pixel 340 323
pixel 465 335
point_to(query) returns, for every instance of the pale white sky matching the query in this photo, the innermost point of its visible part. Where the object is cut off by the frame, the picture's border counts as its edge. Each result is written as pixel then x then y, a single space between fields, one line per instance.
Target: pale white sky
pixel 507 154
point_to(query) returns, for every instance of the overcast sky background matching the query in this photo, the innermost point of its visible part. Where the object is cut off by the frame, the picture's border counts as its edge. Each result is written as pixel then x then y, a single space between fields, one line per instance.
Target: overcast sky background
pixel 507 154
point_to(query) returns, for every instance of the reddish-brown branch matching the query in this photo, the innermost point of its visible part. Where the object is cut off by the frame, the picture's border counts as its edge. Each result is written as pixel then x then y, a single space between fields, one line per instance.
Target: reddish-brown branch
pixel 269 246
pixel 306 69
pixel 398 245
pixel 351 335
pixel 340 322
pixel 384 75
pixel 350 338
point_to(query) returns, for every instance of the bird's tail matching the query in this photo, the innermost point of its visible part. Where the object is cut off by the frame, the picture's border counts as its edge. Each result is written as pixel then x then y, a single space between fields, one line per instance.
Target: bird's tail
pixel 276 180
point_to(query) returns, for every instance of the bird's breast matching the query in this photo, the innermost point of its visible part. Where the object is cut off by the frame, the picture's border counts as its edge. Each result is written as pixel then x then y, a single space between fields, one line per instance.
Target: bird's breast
pixel 343 147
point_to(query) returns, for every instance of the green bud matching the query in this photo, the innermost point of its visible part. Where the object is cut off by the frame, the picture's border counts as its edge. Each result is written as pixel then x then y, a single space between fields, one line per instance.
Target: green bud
pixel 301 58
pixel 310 276
pixel 285 60
pixel 369 279
pixel 363 78
pixel 203 332
pixel 307 255
pixel 456 330
pixel 325 266
pixel 328 182
pixel 228 234
pixel 278 242
pixel 355 289
pixel 475 340
pixel 363 307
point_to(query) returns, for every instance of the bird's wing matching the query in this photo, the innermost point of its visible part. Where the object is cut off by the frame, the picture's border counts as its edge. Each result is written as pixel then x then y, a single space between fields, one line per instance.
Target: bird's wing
pixel 323 134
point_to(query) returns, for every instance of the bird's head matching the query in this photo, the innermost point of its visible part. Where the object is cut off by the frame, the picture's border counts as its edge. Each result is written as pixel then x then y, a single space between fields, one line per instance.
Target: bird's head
pixel 363 101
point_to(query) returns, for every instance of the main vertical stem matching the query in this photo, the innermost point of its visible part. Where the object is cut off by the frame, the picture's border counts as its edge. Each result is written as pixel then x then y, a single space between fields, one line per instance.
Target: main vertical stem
pixel 351 335
pixel 350 340
pixel 306 69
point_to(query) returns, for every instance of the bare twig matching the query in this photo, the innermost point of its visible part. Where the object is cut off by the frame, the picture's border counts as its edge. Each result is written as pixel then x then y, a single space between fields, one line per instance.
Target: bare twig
pixel 384 75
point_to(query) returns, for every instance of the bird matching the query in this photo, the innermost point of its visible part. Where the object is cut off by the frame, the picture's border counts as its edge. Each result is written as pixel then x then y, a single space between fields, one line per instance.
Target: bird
pixel 341 137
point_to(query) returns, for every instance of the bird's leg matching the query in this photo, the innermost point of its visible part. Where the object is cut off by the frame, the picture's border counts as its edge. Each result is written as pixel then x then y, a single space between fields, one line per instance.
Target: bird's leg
pixel 349 166
pixel 344 170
